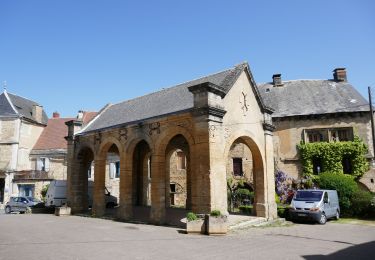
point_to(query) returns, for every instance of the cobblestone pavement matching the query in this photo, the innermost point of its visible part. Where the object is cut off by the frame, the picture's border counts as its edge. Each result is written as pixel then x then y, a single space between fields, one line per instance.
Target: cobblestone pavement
pixel 40 236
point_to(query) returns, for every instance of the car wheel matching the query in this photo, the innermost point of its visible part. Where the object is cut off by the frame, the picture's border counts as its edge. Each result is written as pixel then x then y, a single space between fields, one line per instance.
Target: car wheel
pixel 323 219
pixel 337 217
pixel 8 210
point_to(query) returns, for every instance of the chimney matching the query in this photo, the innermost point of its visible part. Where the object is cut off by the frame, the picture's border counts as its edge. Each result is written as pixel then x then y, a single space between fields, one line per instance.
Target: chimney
pixel 56 114
pixel 80 114
pixel 37 113
pixel 276 78
pixel 339 74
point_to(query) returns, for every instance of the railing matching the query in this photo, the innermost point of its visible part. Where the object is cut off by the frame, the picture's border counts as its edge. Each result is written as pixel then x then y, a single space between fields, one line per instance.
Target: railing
pixel 32 175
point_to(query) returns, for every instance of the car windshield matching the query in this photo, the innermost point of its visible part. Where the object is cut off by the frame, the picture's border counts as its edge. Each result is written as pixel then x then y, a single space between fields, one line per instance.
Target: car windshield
pixel 308 195
pixel 33 199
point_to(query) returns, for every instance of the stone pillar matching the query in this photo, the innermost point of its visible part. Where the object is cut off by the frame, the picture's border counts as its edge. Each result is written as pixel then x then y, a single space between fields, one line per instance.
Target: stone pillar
pixel 98 206
pixel 208 112
pixel 125 210
pixel 266 205
pixel 72 165
pixel 158 210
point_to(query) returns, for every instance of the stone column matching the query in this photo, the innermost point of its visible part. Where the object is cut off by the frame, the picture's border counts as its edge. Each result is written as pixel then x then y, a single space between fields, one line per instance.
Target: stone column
pixel 125 211
pixel 266 205
pixel 158 210
pixel 98 206
pixel 72 177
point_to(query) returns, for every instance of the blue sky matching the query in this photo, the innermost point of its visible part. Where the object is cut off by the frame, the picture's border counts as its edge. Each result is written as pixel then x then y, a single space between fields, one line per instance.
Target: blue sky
pixel 72 55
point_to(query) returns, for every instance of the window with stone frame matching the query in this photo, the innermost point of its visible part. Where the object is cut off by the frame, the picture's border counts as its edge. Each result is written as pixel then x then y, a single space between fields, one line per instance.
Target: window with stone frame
pixel 237 167
pixel 341 134
pixel 181 160
pixel 316 135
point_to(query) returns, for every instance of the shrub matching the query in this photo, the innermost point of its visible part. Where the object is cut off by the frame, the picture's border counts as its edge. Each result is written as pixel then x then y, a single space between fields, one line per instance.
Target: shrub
pixel 246 209
pixel 282 212
pixel 44 192
pixel 345 186
pixel 191 216
pixel 215 213
pixel 361 203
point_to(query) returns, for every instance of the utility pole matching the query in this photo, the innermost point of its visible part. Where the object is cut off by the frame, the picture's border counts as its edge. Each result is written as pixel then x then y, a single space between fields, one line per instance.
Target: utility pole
pixel 372 123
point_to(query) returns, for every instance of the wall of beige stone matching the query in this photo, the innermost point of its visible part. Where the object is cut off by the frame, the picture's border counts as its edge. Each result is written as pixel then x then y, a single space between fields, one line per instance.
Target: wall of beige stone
pixel 29 135
pixel 289 133
pixel 240 150
pixel 9 135
pixel 178 177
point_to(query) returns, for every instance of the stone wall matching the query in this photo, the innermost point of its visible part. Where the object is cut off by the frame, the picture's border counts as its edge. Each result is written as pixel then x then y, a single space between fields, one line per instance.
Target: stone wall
pixel 289 133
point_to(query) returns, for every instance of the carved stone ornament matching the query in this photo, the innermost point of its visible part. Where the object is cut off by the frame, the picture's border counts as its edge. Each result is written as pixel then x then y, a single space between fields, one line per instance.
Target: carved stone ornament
pixel 184 124
pixel 123 134
pixel 97 140
pixel 244 103
pixel 154 127
pixel 212 130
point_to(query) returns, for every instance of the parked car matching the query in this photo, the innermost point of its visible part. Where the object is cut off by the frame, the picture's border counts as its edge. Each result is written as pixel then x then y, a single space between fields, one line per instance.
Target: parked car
pixel 316 205
pixel 21 204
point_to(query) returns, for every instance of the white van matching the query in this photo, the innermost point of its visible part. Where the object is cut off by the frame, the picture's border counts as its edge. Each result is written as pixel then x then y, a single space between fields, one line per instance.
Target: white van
pixel 56 195
pixel 316 205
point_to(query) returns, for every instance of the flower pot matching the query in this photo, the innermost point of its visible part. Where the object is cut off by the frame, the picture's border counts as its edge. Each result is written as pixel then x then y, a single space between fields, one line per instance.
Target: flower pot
pixel 195 226
pixel 216 225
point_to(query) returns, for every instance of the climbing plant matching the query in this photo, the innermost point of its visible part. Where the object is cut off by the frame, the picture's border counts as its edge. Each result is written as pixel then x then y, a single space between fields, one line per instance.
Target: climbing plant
pixel 332 154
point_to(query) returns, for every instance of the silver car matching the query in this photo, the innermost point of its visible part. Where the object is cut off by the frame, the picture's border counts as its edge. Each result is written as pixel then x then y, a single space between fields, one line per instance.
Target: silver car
pixel 20 204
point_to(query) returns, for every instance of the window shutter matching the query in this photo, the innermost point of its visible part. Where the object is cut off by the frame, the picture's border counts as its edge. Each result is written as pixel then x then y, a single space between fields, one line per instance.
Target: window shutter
pixel 46 164
pixel 39 164
pixel 112 169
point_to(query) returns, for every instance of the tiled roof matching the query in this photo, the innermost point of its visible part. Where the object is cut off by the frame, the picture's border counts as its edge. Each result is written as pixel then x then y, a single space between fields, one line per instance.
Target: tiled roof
pixel 166 101
pixel 88 116
pixel 23 107
pixel 53 135
pixel 312 97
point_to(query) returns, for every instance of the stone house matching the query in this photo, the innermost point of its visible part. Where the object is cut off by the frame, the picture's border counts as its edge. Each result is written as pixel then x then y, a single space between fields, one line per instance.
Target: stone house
pixel 21 123
pixel 176 149
pixel 315 111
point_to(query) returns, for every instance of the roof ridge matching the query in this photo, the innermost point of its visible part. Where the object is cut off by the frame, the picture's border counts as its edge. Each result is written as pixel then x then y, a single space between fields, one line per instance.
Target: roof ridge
pixel 25 98
pixel 5 92
pixel 179 84
pixel 293 80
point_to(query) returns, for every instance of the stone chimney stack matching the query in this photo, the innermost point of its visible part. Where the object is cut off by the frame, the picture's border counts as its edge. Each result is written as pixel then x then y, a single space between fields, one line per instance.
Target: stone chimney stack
pixel 339 74
pixel 37 113
pixel 277 82
pixel 56 114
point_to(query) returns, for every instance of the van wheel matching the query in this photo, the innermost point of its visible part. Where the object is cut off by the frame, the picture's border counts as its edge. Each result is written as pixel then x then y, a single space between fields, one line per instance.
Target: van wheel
pixel 323 219
pixel 8 210
pixel 337 217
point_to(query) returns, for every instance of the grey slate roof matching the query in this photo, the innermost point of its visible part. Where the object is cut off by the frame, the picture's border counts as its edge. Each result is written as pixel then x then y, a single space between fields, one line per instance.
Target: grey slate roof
pixel 5 107
pixel 311 97
pixel 23 106
pixel 167 101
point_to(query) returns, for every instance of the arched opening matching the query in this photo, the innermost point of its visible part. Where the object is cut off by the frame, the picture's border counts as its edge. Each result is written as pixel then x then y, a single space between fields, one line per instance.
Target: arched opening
pixel 82 188
pixel 106 188
pixel 244 172
pixel 142 175
pixel 112 178
pixel 178 180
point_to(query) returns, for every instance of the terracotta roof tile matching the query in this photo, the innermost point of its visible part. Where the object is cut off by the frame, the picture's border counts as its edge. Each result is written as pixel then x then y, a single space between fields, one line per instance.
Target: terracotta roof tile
pixel 53 135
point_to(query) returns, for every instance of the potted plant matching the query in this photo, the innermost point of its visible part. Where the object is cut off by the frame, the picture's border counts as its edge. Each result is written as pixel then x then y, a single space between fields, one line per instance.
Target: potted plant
pixel 194 224
pixel 216 223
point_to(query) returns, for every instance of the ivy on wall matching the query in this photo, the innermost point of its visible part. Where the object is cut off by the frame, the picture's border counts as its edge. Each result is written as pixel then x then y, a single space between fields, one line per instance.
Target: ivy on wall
pixel 331 156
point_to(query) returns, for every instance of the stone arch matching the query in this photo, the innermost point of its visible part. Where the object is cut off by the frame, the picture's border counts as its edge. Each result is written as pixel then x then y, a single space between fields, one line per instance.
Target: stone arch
pixel 107 181
pixel 178 172
pixel 78 188
pixel 140 155
pixel 258 159
pixel 164 138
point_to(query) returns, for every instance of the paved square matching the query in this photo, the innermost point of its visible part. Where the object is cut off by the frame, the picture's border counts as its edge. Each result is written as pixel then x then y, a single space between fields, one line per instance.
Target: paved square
pixel 49 237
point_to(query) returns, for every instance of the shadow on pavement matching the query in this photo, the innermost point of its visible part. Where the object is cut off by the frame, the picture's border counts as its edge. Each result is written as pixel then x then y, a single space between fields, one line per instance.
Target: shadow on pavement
pixel 361 251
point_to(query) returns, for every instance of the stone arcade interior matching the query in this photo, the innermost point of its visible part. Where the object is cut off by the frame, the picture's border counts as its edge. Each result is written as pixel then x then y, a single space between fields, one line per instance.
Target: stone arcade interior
pixel 170 151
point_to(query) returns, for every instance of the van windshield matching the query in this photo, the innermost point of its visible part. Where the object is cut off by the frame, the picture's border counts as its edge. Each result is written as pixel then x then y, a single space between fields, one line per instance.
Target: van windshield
pixel 308 195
